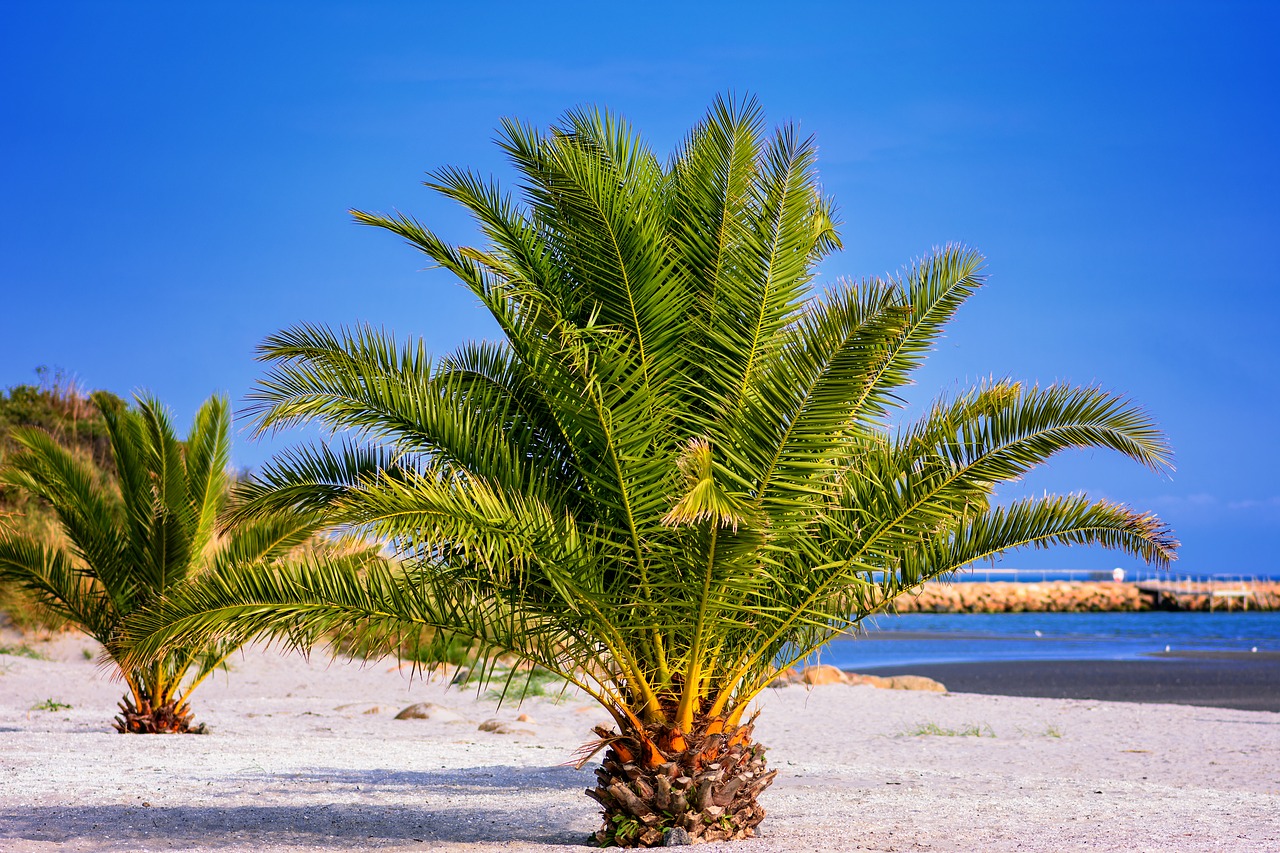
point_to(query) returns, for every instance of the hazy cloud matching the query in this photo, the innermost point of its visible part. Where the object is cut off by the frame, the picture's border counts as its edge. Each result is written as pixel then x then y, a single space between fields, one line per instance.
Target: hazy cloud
pixel 1205 505
pixel 1271 503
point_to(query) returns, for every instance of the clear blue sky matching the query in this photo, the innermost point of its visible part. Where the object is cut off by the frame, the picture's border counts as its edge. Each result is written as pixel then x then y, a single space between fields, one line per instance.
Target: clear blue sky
pixel 174 187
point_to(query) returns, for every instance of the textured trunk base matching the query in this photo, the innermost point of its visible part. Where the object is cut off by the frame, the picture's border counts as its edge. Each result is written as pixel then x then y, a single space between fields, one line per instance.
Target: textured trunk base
pixel 165 719
pixel 708 789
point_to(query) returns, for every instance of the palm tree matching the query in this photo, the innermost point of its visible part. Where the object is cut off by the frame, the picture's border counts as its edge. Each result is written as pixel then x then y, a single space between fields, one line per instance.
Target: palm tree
pixel 129 541
pixel 677 472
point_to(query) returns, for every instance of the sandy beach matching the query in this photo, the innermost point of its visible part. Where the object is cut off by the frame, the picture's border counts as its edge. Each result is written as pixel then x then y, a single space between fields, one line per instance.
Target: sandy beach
pixel 308 755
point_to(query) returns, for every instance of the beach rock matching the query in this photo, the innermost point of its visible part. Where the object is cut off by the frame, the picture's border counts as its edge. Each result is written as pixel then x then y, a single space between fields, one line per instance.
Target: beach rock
pixel 498 727
pixel 916 682
pixel 787 677
pixel 896 682
pixel 525 718
pixel 360 708
pixel 823 674
pixel 820 674
pixel 676 837
pixel 428 711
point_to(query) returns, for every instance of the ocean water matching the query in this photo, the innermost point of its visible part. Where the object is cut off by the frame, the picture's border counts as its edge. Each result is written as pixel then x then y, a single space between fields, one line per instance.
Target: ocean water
pixel 920 638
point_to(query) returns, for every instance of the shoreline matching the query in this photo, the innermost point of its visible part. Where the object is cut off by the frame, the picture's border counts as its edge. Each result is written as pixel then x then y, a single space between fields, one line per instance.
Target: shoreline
pixel 1240 680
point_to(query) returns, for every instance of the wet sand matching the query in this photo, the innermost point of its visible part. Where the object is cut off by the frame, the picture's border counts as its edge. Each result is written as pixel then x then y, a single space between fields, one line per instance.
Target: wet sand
pixel 1245 681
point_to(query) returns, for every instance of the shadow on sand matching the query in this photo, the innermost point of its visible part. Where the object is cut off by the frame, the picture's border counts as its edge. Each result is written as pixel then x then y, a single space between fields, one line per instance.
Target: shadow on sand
pixel 529 806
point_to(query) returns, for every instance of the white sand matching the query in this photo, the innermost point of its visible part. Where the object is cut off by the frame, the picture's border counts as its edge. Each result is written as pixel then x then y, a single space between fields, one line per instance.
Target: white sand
pixel 294 762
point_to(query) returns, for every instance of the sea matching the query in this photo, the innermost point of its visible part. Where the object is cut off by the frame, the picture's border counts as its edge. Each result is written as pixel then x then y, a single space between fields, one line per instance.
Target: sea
pixel 926 638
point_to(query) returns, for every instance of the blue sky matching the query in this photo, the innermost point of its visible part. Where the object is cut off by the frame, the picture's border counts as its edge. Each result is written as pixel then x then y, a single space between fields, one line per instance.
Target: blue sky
pixel 174 186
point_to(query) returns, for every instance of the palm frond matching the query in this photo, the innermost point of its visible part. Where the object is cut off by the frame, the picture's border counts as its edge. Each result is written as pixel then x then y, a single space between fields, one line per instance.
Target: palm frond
pixel 59 585
pixel 207 452
pixel 1042 523
pixel 90 515
pixel 676 471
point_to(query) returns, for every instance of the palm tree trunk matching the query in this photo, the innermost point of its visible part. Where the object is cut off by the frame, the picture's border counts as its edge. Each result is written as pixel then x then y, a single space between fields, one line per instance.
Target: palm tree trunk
pixel 657 780
pixel 139 716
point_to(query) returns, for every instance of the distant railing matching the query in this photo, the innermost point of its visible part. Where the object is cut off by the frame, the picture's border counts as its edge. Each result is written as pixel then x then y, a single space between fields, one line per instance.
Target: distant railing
pixel 1186 593
pixel 986 575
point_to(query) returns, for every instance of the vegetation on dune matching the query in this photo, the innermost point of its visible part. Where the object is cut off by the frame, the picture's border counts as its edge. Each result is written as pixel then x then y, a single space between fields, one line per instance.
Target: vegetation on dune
pixel 51 705
pixel 676 473
pixel 68 413
pixel 61 408
pixel 127 541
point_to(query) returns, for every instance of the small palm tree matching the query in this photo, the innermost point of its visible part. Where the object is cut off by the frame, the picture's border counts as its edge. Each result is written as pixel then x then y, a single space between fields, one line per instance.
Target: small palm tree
pixel 677 473
pixel 128 542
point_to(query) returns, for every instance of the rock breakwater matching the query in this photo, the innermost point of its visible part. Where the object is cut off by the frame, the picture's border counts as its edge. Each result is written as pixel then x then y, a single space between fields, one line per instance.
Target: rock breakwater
pixel 1088 596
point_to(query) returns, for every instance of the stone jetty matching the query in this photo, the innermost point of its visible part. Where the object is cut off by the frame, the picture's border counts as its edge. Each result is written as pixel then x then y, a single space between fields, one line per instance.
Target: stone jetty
pixel 1090 596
